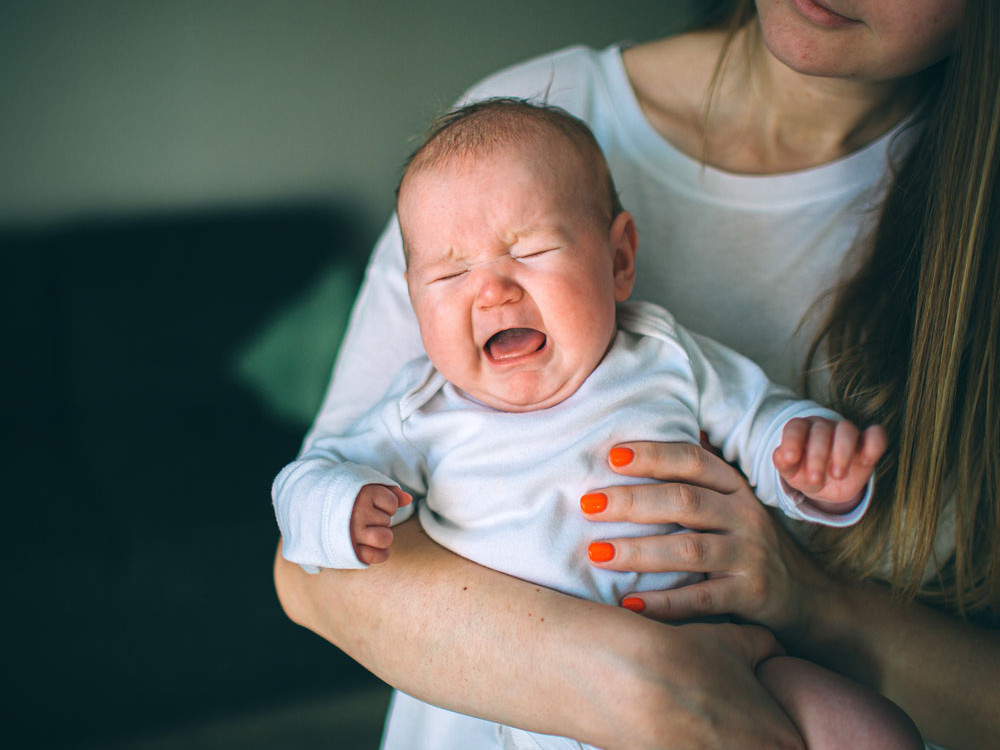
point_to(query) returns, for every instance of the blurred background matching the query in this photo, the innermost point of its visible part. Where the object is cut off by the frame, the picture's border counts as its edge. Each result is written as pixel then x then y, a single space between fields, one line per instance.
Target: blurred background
pixel 188 194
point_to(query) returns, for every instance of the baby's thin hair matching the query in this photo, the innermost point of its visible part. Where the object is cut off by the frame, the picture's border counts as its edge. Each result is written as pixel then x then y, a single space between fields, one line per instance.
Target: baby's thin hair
pixel 484 126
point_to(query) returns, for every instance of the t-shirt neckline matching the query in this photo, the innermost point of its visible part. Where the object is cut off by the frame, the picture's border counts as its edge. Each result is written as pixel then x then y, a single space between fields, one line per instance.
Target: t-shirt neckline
pixel 664 161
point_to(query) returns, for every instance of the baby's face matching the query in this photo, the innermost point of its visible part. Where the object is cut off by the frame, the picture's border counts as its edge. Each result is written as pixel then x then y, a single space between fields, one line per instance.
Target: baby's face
pixel 514 274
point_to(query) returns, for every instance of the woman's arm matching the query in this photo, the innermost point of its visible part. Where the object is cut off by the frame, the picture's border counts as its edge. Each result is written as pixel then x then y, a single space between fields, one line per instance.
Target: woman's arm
pixel 473 640
pixel 939 670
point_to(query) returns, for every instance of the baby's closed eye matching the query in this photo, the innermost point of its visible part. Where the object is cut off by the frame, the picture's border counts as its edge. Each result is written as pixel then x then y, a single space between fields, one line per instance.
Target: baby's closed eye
pixel 449 275
pixel 532 254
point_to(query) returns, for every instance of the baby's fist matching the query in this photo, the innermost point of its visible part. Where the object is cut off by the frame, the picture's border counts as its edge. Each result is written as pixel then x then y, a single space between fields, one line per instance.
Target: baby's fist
pixel 829 462
pixel 370 519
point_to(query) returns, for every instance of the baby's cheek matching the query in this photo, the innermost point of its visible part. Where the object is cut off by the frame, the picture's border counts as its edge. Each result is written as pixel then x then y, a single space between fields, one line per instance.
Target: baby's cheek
pixel 445 344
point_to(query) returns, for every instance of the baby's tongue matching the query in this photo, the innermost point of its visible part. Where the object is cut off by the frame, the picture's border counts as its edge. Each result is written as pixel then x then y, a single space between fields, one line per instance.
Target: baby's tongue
pixel 515 342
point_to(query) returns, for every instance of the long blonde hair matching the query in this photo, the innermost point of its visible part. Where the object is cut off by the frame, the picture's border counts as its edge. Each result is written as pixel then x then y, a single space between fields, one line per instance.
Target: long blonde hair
pixel 912 341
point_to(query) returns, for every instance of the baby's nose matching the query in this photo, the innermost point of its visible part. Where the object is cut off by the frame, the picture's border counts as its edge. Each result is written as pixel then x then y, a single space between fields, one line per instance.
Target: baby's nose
pixel 496 288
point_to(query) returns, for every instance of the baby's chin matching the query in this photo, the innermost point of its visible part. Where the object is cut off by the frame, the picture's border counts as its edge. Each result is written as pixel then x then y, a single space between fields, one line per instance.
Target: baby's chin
pixel 518 400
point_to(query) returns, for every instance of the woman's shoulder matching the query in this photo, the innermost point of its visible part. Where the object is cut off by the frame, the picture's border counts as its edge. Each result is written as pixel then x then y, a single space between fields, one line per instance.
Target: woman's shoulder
pixel 670 78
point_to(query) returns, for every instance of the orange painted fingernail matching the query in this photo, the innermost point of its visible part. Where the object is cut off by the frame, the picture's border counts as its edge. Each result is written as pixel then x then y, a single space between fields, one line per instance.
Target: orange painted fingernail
pixel 594 502
pixel 634 603
pixel 601 552
pixel 621 456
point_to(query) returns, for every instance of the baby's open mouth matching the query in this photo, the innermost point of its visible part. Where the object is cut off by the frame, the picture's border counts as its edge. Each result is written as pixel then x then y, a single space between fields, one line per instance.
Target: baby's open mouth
pixel 514 342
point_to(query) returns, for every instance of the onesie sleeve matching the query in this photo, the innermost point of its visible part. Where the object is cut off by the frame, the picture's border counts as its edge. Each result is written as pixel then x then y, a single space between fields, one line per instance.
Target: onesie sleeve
pixel 744 413
pixel 314 495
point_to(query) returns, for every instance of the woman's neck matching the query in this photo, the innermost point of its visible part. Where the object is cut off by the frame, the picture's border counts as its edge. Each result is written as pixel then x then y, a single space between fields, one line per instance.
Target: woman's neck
pixel 763 117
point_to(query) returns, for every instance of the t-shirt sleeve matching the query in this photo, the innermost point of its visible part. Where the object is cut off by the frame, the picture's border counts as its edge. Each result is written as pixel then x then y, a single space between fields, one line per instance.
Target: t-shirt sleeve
pixel 381 337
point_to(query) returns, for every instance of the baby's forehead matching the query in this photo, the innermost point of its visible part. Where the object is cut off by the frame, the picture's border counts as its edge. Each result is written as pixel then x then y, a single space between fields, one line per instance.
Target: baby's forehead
pixel 549 157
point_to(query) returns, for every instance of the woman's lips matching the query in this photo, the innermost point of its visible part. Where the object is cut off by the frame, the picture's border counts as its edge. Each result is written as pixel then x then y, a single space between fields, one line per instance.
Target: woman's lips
pixel 821 15
pixel 513 343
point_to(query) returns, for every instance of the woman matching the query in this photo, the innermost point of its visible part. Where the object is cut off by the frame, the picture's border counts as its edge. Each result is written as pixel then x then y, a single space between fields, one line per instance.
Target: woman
pixel 803 148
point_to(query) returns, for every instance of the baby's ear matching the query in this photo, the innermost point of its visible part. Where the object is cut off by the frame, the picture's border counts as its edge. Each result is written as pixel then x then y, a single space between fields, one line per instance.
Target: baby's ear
pixel 624 243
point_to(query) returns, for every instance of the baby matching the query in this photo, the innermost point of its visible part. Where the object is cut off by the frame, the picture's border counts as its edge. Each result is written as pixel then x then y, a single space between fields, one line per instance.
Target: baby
pixel 520 260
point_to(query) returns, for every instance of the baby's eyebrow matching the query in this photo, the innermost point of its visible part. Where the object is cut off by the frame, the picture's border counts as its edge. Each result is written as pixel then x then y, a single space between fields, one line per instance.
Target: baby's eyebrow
pixel 451 260
pixel 438 266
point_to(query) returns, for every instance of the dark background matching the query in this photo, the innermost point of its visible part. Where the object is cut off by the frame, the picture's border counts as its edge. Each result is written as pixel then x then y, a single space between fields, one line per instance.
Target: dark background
pixel 188 194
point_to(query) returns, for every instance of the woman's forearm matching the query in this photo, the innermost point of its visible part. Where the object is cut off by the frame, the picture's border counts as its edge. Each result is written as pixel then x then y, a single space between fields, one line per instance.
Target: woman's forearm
pixel 430 624
pixel 445 630
pixel 472 640
pixel 942 672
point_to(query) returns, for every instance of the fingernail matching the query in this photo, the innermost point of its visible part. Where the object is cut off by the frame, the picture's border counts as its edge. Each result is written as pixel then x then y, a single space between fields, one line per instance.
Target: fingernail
pixel 601 552
pixel 621 456
pixel 594 502
pixel 634 603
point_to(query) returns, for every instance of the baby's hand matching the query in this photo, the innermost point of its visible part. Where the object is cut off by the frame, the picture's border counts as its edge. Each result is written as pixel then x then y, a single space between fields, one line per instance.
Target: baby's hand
pixel 373 509
pixel 829 462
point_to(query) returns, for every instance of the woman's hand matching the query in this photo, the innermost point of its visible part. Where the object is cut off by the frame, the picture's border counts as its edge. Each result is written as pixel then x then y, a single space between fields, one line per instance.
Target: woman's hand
pixel 754 569
pixel 694 686
pixel 937 669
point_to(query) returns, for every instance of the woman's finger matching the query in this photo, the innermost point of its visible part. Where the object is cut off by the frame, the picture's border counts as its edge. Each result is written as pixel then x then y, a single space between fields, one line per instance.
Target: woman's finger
pixel 757 643
pixel 675 462
pixel 684 504
pixel 713 596
pixel 683 552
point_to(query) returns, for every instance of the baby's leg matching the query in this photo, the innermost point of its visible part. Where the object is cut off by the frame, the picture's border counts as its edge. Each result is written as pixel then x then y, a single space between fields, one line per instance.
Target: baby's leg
pixel 832 713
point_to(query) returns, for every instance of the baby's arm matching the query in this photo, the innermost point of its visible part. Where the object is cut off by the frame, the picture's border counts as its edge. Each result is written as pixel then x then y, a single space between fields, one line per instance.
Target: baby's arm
pixel 314 496
pixel 371 518
pixel 829 462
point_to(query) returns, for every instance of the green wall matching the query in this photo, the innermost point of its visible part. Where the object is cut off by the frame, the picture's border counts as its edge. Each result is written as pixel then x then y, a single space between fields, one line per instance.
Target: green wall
pixel 119 105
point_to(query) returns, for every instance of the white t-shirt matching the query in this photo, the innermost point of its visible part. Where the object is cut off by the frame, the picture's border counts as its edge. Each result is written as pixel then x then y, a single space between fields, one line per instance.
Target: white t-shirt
pixel 741 259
